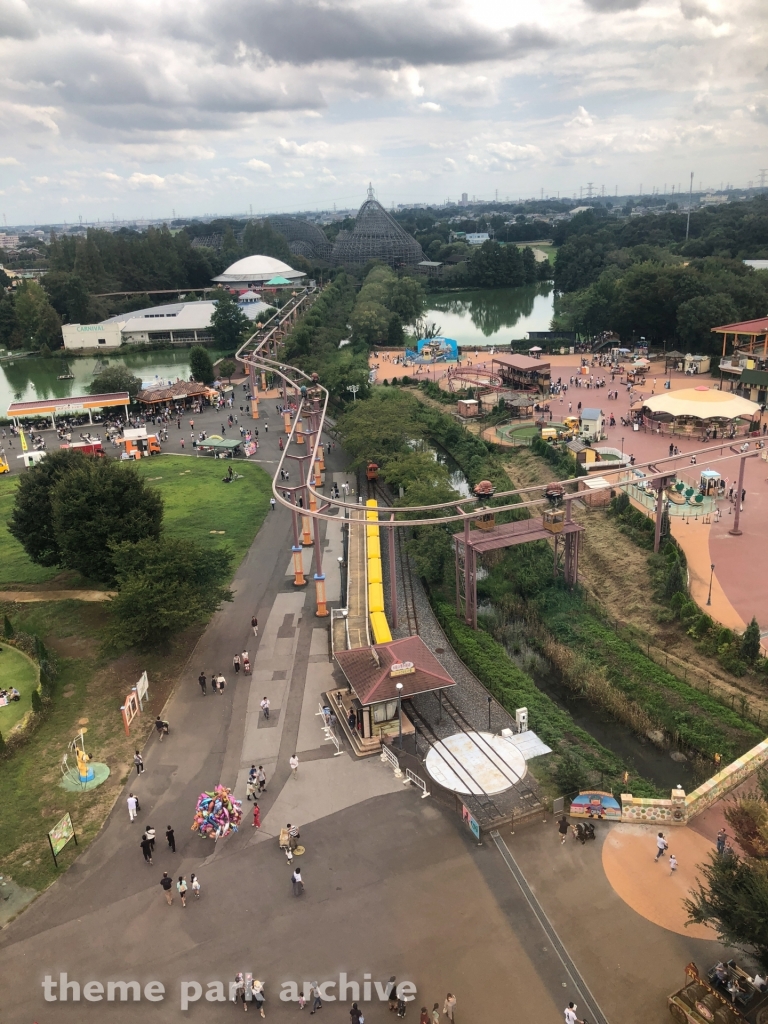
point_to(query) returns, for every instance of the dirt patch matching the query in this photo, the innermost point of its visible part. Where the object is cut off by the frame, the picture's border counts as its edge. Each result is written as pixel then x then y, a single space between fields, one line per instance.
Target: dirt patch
pixel 72 646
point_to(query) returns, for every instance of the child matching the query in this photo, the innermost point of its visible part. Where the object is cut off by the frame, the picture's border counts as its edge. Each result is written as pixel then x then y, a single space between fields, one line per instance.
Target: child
pixel 672 863
pixel 401 1007
pixel 302 1002
pixel 194 882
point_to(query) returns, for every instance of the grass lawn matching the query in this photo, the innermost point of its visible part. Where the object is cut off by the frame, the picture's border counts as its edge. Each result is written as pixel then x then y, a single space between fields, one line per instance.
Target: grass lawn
pixel 91 686
pixel 525 431
pixel 15 566
pixel 16 669
pixel 198 506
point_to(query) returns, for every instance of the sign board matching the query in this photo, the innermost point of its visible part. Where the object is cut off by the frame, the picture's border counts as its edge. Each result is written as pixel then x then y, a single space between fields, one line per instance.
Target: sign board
pixel 60 835
pixel 402 668
pixel 129 710
pixel 142 688
pixel 473 825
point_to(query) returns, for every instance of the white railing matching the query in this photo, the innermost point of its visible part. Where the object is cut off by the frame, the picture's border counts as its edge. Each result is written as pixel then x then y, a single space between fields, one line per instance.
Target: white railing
pixel 411 778
pixel 328 729
pixel 387 755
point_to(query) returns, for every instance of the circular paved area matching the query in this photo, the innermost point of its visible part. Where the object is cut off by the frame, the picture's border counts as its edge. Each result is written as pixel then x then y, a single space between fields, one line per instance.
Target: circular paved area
pixel 476 762
pixel 648 886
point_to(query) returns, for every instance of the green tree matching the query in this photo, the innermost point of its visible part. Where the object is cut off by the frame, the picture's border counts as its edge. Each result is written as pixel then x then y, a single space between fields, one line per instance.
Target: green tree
pixel 31 521
pixel 697 317
pixel 226 368
pixel 732 897
pixel 750 642
pixel 229 323
pixel 11 336
pixel 406 298
pixel 164 586
pixel 97 504
pixel 68 296
pixel 48 331
pixel 201 364
pixel 375 430
pixel 115 378
pixel 370 323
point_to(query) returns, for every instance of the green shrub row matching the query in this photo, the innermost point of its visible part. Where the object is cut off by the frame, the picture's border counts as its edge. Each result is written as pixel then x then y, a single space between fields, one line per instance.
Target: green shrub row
pixel 558 456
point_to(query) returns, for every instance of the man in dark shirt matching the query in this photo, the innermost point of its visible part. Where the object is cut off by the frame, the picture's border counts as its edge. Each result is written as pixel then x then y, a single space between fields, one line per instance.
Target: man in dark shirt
pixel 201 680
pixel 167 883
pixel 146 847
pixel 171 838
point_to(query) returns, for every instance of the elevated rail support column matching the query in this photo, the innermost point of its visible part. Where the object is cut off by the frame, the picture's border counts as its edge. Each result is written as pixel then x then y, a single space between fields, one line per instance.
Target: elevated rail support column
pixel 306 536
pixel 321 609
pixel 298 563
pixel 735 531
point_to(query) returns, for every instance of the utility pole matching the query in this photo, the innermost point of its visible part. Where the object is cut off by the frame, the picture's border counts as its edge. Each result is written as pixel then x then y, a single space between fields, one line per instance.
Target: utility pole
pixel 690 202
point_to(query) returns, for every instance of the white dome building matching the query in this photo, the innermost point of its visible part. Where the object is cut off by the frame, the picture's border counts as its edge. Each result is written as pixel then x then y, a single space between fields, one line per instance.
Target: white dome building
pixel 258 271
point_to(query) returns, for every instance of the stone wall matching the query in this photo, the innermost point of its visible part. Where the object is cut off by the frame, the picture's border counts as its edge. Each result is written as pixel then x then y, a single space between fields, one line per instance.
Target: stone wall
pixel 680 808
pixel 726 780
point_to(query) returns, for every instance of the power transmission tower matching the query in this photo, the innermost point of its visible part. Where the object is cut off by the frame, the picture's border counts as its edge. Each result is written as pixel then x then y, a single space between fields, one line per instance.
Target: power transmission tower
pixel 763 172
pixel 590 190
pixel 690 201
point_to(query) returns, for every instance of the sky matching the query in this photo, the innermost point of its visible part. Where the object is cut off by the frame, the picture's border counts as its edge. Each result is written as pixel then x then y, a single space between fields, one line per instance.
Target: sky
pixel 156 107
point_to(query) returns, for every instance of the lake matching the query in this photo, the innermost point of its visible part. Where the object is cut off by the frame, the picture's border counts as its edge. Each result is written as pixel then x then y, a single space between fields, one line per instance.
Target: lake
pixel 492 316
pixel 24 380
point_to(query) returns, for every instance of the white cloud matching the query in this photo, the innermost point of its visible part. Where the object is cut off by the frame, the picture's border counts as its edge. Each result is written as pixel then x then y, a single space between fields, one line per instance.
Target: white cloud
pixel 144 103
pixel 259 165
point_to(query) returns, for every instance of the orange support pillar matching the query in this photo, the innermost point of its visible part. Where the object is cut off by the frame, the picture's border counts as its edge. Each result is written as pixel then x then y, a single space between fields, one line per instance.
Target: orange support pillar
pixel 287 422
pixel 299 433
pixel 298 567
pixel 306 533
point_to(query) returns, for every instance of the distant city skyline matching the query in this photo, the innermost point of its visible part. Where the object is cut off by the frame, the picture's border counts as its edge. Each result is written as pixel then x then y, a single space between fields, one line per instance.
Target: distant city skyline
pixel 138 111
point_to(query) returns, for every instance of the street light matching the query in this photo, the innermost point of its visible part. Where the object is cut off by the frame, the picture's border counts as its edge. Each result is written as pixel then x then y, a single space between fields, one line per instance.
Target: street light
pixel 622 447
pixel 354 388
pixel 340 560
pixel 711 574
pixel 400 711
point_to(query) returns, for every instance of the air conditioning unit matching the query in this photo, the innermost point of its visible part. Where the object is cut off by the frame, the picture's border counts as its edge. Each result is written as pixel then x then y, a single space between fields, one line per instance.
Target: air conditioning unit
pixel 521 718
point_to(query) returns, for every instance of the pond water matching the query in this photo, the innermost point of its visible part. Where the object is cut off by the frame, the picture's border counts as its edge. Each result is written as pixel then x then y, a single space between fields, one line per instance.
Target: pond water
pixel 492 316
pixel 24 380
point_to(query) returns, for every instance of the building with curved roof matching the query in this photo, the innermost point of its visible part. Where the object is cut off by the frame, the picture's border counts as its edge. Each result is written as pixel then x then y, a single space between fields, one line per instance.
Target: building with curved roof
pixel 696 410
pixel 254 271
pixel 304 239
pixel 376 236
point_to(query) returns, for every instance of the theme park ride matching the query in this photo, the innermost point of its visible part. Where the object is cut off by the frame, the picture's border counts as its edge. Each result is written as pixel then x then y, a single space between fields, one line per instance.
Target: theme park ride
pixel 305 406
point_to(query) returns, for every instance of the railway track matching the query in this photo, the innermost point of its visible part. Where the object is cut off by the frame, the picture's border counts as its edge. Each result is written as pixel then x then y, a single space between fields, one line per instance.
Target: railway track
pixel 408 606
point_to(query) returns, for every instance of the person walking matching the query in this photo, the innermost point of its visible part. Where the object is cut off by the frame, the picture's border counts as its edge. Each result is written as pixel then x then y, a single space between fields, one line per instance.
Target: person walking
pixel 261 779
pixel 661 845
pixel 450 1006
pixel 138 760
pixel 257 990
pixel 150 834
pixel 222 682
pixel 201 679
pixel 317 1002
pixel 294 763
pixel 171 838
pixel 133 805
pixel 255 621
pixel 562 828
pixel 672 863
pixel 355 1015
pixel 264 702
pixel 181 886
pixel 146 848
pixel 167 884
pixel 161 727
pixel 194 884
pixel 236 663
pixel 298 884
pixel 250 786
pixel 272 504
pixel 392 989
pixel 256 816
pixel 424 1016
pixel 722 836
pixel 435 1014
pixel 570 1014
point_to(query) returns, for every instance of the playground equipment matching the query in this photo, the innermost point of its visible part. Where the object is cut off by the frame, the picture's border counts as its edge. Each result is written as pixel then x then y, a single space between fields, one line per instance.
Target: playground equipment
pixel 89 773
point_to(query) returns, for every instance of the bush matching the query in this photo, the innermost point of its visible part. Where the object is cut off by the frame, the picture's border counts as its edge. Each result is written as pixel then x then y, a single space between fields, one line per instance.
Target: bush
pixel 8 630
pixel 750 642
pixel 37 702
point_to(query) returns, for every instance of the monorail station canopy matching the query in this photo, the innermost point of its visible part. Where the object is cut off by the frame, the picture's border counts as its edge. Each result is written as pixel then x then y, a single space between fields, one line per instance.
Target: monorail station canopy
pixel 181 391
pixel 376 236
pixel 695 409
pixel 75 405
